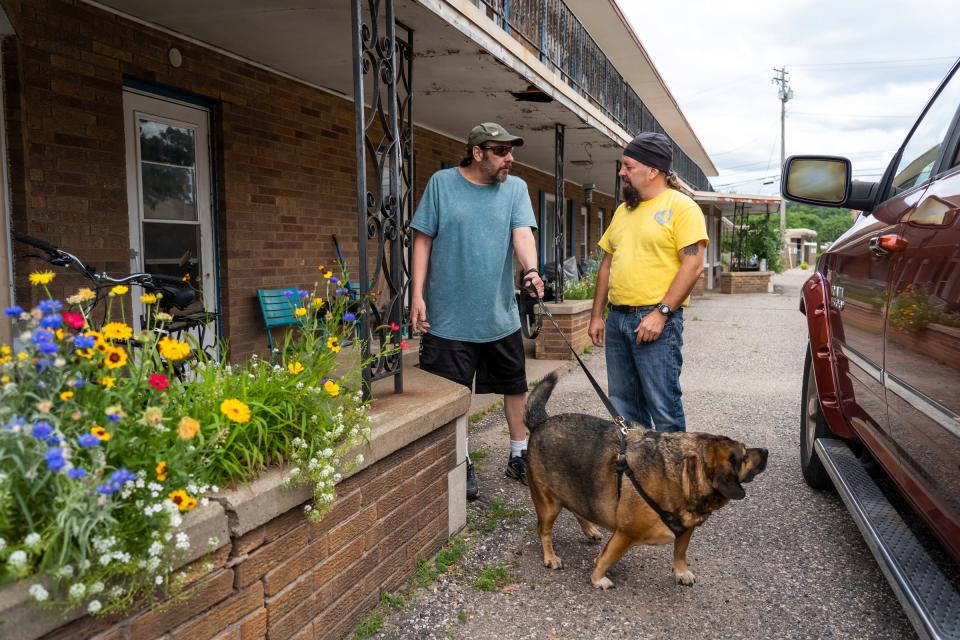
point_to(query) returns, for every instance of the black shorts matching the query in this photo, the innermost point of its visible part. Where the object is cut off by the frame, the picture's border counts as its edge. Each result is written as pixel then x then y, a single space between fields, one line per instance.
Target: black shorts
pixel 499 366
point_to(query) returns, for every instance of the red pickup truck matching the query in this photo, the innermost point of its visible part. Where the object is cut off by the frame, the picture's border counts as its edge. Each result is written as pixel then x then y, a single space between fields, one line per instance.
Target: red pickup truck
pixel 882 372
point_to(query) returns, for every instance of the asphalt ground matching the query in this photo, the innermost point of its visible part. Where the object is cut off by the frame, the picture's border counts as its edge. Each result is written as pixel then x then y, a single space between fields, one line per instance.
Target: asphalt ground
pixel 785 562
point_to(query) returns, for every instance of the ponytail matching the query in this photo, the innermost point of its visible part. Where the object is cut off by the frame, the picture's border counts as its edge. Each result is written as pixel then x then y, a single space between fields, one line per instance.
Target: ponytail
pixel 673 180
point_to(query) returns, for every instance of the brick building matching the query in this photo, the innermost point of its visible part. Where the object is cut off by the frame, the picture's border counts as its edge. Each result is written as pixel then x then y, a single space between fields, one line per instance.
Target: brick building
pixel 141 135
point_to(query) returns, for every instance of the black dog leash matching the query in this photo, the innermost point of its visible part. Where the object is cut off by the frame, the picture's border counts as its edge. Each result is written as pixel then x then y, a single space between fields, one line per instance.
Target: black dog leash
pixel 669 520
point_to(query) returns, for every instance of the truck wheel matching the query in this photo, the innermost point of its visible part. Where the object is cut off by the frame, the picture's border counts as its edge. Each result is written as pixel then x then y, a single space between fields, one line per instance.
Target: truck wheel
pixel 812 426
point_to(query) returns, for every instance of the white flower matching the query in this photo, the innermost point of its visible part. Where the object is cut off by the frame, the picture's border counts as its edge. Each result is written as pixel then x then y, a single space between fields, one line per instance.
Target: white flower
pixel 158 580
pixel 32 539
pixel 3 544
pixel 94 606
pixel 183 541
pixel 65 571
pixel 96 588
pixel 105 559
pixel 38 592
pixel 156 548
pixel 59 363
pixel 152 564
pixel 17 559
pixel 327 453
pixel 213 541
pixel 337 477
pixel 77 590
pixel 359 458
pixel 116 592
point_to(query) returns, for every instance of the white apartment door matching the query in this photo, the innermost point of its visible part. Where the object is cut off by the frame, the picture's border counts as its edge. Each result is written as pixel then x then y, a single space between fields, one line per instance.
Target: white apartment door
pixel 168 194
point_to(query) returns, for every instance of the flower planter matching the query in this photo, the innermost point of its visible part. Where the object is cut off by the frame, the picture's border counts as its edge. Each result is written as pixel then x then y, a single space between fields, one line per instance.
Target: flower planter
pixel 745 281
pixel 573 316
pixel 274 573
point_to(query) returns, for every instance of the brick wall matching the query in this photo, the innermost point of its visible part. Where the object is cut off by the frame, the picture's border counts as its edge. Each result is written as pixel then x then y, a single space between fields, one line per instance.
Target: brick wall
pixel 574 320
pixel 283 155
pixel 293 579
pixel 744 281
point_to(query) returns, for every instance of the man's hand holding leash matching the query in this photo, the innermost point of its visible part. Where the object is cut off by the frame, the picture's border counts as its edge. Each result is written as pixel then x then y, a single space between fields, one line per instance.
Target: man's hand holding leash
pixel 533 283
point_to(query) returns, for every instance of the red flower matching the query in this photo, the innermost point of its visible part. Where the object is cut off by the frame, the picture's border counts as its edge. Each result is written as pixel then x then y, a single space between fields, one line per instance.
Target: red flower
pixel 403 344
pixel 394 326
pixel 74 320
pixel 159 381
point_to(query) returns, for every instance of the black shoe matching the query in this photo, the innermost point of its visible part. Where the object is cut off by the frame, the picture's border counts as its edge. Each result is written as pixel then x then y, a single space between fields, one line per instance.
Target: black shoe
pixel 517 467
pixel 473 489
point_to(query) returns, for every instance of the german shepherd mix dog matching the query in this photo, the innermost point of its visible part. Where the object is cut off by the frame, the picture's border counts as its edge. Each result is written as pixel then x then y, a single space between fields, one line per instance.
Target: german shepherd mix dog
pixel 573 464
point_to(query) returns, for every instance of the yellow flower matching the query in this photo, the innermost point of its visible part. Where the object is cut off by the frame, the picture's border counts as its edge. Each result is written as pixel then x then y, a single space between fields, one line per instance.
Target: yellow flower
pixel 5 349
pixel 107 382
pixel 327 274
pixel 162 471
pixel 332 387
pixel 119 290
pixel 235 410
pixel 82 295
pixel 5 379
pixel 60 334
pixel 148 298
pixel 116 358
pixel 117 331
pixel 38 278
pixel 188 428
pixel 66 395
pixel 100 432
pixel 300 312
pixel 182 499
pixel 153 416
pixel 163 317
pixel 22 356
pixel 333 343
pixel 173 349
pixel 317 302
pixel 295 368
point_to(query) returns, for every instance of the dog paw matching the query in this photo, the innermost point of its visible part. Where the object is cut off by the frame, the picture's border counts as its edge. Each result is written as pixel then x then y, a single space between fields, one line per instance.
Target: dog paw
pixel 685 578
pixel 603 583
pixel 593 533
pixel 553 563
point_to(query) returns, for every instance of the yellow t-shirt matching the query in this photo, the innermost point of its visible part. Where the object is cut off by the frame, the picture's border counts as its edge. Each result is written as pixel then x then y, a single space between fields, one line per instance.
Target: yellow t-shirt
pixel 645 244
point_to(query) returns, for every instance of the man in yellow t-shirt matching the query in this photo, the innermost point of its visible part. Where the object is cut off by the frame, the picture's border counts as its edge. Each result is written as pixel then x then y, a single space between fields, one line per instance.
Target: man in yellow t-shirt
pixel 654 255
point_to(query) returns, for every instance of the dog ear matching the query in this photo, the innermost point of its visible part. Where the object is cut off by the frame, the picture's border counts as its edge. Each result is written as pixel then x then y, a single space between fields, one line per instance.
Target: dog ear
pixel 726 482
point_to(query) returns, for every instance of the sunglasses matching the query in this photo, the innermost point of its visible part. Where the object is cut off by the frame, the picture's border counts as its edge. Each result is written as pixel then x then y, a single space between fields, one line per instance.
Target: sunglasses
pixel 500 152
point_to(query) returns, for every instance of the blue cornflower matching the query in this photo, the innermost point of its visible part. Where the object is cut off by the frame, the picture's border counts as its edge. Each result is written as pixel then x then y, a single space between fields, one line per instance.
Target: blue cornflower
pixel 47 348
pixel 43 364
pixel 121 475
pixel 334 279
pixel 107 488
pixel 303 293
pixel 88 441
pixel 290 293
pixel 14 422
pixel 78 383
pixel 50 306
pixel 341 292
pixel 84 342
pixel 54 458
pixel 54 440
pixel 113 417
pixel 13 311
pixel 77 472
pixel 41 335
pixel 51 321
pixel 349 317
pixel 42 430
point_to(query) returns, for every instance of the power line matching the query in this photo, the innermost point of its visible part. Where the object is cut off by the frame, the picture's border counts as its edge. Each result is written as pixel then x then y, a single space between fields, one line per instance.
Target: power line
pixel 875 62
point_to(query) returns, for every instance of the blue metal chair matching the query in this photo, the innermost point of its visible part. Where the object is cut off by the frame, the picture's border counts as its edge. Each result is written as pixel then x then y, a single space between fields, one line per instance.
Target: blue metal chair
pixel 278 311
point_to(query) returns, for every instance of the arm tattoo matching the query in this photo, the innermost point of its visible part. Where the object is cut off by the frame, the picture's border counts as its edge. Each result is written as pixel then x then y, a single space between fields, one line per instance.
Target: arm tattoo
pixel 691 249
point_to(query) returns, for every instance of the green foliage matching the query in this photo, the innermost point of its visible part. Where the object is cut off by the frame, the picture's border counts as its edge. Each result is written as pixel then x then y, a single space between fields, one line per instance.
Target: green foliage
pixel 762 239
pixel 912 311
pixel 827 222
pixel 498 512
pixel 585 288
pixel 494 577
pixel 391 602
pixel 372 623
pixel 804 266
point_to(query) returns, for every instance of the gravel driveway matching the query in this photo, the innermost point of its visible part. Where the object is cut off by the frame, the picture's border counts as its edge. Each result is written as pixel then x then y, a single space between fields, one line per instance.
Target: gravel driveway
pixel 786 562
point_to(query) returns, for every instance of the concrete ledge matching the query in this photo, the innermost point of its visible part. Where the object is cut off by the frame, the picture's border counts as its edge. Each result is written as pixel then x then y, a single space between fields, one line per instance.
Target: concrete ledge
pixel 202 524
pixel 568 307
pixel 22 619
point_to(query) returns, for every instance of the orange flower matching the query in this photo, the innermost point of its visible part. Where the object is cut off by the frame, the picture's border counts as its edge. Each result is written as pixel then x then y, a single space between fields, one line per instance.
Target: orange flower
pixel 188 428
pixel 162 471
pixel 100 432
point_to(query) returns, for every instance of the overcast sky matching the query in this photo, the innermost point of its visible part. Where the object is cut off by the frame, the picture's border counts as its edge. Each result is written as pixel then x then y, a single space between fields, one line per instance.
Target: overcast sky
pixel 860 71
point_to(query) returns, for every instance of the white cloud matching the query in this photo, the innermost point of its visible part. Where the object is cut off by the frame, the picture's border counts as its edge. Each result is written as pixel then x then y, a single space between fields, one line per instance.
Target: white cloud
pixel 861 72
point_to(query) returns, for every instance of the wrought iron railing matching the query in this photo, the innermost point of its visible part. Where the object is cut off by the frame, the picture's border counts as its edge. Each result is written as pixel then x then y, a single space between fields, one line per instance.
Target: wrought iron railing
pixel 551 29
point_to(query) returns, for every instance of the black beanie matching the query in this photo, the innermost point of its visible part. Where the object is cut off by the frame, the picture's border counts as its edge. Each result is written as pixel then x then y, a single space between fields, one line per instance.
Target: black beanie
pixel 651 149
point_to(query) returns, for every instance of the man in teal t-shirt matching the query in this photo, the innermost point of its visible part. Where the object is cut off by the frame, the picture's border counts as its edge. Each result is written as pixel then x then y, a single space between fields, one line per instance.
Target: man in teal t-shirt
pixel 471 222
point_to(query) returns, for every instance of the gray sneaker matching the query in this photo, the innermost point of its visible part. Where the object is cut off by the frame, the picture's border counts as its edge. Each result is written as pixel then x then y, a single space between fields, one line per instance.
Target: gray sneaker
pixel 473 489
pixel 517 467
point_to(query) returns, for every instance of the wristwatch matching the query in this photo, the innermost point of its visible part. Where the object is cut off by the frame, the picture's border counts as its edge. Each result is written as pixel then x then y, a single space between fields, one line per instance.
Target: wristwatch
pixel 664 309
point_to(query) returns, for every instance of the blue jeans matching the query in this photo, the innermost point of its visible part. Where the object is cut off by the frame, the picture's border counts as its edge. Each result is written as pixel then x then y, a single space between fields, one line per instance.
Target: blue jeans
pixel 644 379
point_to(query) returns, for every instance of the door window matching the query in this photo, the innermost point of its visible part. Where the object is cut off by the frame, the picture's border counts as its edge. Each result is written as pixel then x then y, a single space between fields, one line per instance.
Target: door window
pixel 922 150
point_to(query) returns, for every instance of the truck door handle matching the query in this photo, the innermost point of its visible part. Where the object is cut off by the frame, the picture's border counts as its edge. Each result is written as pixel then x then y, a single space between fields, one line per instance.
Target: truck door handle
pixel 887 243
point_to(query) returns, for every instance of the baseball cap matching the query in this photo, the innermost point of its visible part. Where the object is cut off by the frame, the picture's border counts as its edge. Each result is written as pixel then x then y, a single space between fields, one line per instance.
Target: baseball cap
pixel 491 132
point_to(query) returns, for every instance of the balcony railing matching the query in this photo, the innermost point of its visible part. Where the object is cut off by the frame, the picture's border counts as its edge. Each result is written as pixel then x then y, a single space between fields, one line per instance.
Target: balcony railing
pixel 549 28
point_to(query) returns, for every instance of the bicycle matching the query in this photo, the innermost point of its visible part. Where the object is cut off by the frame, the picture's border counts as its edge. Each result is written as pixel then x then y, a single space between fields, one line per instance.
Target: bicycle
pixel 173 294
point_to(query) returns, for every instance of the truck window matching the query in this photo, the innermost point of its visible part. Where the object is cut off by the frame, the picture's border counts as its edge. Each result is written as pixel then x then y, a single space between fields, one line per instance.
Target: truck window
pixel 922 150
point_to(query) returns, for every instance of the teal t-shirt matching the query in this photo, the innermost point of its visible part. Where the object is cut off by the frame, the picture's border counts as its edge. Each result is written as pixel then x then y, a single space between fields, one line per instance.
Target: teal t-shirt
pixel 470 280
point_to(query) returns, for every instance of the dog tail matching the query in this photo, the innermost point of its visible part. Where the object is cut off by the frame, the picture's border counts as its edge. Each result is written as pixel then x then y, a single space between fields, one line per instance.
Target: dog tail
pixel 536 411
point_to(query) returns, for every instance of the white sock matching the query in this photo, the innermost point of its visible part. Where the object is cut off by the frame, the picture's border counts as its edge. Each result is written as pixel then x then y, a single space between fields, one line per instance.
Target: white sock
pixel 516 447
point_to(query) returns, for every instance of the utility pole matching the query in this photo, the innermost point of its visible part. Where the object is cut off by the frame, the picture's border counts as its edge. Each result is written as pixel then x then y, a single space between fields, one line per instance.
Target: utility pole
pixel 785 94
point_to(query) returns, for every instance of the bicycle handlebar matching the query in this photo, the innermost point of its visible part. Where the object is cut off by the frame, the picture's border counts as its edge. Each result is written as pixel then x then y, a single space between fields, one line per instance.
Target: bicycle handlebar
pixel 176 293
